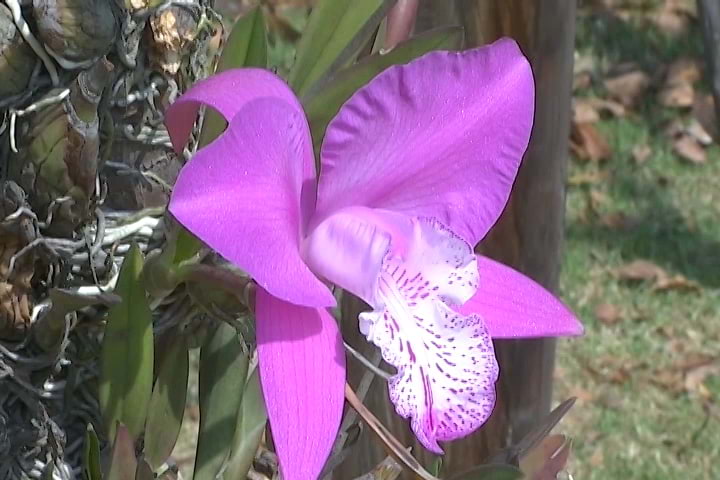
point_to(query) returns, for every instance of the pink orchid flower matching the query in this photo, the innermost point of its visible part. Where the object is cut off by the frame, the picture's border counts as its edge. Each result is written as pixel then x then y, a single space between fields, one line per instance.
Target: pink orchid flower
pixel 415 169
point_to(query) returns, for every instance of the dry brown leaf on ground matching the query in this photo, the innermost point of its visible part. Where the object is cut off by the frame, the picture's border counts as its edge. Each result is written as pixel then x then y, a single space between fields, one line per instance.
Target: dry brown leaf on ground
pixel 678 89
pixel 704 111
pixel 588 143
pixel 676 282
pixel 696 376
pixel 618 221
pixel 582 80
pixel 584 111
pixel 640 270
pixel 689 149
pixel 610 107
pixel 608 314
pixel 644 270
pixel 627 88
pixel 670 19
pixel 588 178
pixel 698 132
pixel 641 153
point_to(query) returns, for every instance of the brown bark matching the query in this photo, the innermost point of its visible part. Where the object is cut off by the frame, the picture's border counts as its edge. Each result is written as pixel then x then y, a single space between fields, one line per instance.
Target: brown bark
pixel 529 235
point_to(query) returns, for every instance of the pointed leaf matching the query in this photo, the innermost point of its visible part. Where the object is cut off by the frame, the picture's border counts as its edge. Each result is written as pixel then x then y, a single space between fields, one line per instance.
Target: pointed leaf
pixel 123 462
pixel 512 453
pixel 325 104
pixel 250 427
pixel 336 29
pixel 167 404
pixel 491 472
pixel 247 44
pixel 245 47
pixel 547 459
pixel 223 372
pixel 143 471
pixel 126 371
pixel 91 455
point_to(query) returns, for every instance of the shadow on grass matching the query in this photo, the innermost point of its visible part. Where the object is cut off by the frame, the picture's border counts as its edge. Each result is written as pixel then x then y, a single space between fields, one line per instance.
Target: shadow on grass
pixel 659 233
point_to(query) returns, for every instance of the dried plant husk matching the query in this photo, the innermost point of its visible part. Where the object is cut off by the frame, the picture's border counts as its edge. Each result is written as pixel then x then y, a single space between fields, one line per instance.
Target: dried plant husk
pixel 15 287
pixel 76 32
pixel 17 59
pixel 173 31
pixel 59 157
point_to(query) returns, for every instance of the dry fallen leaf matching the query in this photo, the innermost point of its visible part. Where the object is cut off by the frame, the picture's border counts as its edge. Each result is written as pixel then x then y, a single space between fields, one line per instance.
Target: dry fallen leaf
pixel 608 106
pixel 695 378
pixel 607 313
pixel 676 282
pixel 588 178
pixel 587 143
pixel 640 270
pixel 627 88
pixel 690 150
pixel 582 80
pixel 704 111
pixel 643 270
pixel 584 111
pixel 677 96
pixel 670 20
pixel 696 130
pixel 683 70
pixel 641 152
pixel 678 89
pixel 618 221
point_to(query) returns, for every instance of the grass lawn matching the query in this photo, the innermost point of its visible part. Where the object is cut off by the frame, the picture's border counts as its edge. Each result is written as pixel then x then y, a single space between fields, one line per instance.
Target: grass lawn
pixel 643 373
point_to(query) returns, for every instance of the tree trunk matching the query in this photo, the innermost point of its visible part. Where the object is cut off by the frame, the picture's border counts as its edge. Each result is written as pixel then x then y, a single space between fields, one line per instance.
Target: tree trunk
pixel 529 235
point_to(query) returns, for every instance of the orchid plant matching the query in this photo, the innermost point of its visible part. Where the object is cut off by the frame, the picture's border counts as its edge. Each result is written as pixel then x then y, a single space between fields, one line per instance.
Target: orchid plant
pixel 415 169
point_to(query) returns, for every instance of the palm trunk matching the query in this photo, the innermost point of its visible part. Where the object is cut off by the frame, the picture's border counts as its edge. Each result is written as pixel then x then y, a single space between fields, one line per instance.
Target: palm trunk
pixel 529 236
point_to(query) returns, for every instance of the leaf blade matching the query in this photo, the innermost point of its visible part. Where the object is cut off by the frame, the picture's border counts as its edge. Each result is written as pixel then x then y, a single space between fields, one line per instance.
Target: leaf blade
pixel 223 371
pixel 167 404
pixel 322 107
pixel 126 358
pixel 333 26
pixel 250 428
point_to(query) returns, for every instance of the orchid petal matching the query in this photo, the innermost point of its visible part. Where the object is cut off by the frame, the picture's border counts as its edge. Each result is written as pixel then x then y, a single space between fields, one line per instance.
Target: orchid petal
pixel 442 137
pixel 445 361
pixel 227 92
pixel 242 196
pixel 302 372
pixel 514 306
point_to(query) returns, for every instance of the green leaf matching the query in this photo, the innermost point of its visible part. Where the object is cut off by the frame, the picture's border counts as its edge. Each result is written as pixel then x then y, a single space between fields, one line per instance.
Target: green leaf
pixel 336 30
pixel 246 47
pixel 123 463
pixel 250 426
pixel 322 107
pixel 144 471
pixel 167 404
pixel 223 373
pixel 491 472
pixel 91 455
pixel 126 360
pixel 247 44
